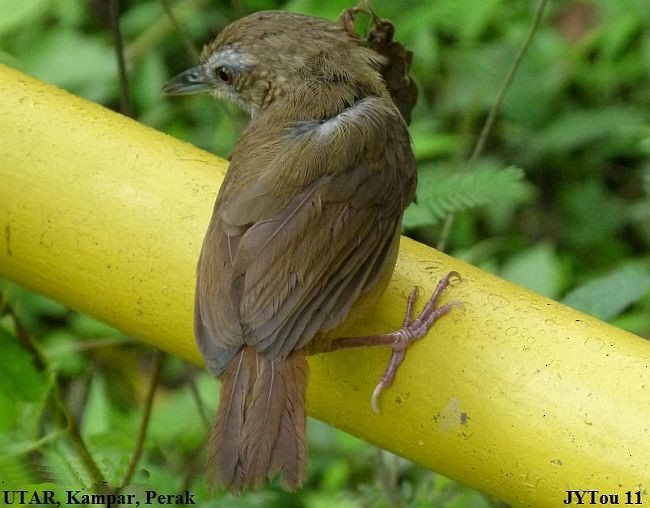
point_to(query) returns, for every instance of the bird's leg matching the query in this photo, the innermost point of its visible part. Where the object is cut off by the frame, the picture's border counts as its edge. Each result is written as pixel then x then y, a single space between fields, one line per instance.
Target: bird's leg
pixel 400 340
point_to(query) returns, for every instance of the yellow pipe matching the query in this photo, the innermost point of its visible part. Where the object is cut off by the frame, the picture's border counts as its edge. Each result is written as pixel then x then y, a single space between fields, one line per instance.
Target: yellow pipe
pixel 516 395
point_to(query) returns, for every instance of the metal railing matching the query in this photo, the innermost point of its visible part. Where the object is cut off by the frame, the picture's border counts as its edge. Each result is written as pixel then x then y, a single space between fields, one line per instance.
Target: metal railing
pixel 514 394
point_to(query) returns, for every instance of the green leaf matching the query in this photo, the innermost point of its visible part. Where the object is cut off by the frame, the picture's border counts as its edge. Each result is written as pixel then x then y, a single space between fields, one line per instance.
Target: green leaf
pixel 646 182
pixel 336 476
pixel 14 13
pixel 62 352
pixel 593 214
pixel 644 144
pixel 619 33
pixel 20 379
pixel 440 195
pixel 16 472
pixel 63 467
pixel 86 326
pixel 428 144
pixel 608 296
pixel 316 499
pixel 537 268
pixel 467 18
pixel 97 412
pixel 466 499
pixel 79 63
pixel 634 321
pixel 148 81
pixel 112 451
pixel 30 307
pixel 539 82
pixel 578 128
pixel 192 432
pixel 9 410
pixel 10 61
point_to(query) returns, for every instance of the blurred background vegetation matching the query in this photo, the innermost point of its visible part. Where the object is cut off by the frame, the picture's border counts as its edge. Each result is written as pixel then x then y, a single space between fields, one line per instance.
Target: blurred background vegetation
pixel 558 202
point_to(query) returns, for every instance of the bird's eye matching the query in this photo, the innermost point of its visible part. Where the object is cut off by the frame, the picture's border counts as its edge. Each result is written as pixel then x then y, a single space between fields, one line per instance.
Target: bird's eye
pixel 224 74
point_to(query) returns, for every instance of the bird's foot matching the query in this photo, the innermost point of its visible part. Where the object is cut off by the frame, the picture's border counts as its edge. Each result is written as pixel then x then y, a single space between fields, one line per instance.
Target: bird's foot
pixel 399 340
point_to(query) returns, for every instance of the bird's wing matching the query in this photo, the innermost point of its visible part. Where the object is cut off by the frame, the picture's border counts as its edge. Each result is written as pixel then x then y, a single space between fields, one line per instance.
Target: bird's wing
pixel 274 279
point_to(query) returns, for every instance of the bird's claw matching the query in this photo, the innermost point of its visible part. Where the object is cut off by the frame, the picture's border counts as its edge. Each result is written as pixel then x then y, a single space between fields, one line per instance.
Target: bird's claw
pixel 412 330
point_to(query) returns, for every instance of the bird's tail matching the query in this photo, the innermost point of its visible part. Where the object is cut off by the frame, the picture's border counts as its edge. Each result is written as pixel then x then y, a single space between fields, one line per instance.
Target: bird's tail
pixel 260 426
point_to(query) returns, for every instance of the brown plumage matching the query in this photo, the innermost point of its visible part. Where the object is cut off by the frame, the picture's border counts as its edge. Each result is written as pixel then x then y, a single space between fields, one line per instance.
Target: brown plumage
pixel 254 436
pixel 306 221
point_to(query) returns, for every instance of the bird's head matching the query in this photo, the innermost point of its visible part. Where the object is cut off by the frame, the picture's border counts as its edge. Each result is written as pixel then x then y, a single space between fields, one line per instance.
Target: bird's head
pixel 256 59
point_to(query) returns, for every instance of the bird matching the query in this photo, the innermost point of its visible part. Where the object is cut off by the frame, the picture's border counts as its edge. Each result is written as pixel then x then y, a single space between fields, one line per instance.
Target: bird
pixel 305 226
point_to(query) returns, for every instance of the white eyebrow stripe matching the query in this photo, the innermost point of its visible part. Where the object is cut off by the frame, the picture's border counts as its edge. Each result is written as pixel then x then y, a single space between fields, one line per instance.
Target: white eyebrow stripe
pixel 230 57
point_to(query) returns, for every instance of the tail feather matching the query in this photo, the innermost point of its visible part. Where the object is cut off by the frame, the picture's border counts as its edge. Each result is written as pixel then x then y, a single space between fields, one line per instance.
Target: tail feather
pixel 290 455
pixel 224 464
pixel 260 426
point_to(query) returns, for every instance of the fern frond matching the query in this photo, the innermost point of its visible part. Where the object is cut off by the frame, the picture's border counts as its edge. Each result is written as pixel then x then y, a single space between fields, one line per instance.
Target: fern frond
pixel 441 195
pixel 16 471
pixel 62 467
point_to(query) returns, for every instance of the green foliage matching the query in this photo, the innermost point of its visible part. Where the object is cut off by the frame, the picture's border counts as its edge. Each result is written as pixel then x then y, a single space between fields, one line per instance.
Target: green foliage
pixel 575 220
pixel 63 467
pixel 440 195
pixel 537 268
pixel 15 14
pixel 16 472
pixel 20 380
pixel 607 296
pixel 94 74
pixel 615 125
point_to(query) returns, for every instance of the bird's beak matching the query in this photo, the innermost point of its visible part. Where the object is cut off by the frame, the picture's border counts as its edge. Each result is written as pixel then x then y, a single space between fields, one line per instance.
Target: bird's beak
pixel 187 82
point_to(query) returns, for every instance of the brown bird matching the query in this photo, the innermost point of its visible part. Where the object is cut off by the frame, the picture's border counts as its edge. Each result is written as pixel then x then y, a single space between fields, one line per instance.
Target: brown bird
pixel 306 222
